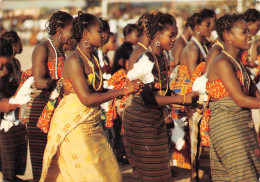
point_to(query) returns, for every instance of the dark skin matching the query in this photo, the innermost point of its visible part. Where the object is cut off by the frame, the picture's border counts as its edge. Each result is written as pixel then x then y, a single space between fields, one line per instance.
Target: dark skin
pixel 213 53
pixel 222 68
pixel 76 68
pixel 179 45
pixel 166 38
pixel 191 55
pixel 44 53
pixel 138 50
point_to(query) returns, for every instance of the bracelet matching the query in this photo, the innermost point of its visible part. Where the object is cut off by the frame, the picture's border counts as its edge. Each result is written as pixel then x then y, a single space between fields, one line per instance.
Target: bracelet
pixel 126 91
pixel 183 99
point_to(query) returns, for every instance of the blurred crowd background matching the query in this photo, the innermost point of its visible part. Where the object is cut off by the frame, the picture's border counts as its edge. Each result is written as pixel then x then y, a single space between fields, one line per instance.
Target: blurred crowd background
pixel 29 17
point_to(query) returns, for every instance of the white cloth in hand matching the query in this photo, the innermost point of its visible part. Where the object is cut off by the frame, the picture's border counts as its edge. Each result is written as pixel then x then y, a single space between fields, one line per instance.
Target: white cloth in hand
pixel 22 97
pixel 199 84
pixel 142 70
pixel 178 132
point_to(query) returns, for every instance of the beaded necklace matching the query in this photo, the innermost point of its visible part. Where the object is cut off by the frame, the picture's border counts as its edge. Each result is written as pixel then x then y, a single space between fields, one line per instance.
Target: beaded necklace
pixel 245 76
pixel 142 45
pixel 56 55
pixel 202 48
pixel 59 52
pixel 93 70
pixel 159 72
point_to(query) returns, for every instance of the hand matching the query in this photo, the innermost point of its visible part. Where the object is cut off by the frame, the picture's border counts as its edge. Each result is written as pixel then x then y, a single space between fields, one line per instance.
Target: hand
pixel 191 97
pixel 134 86
pixel 6 107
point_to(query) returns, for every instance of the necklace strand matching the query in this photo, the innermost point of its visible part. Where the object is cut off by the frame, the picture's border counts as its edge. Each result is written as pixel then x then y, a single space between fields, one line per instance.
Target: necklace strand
pixel 60 52
pixel 93 70
pixel 240 66
pixel 159 72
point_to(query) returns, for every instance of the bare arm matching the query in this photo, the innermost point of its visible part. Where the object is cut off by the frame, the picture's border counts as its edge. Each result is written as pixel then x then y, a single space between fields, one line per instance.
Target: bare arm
pixel 134 56
pixel 191 60
pixel 213 53
pixel 176 52
pixel 76 74
pixel 39 68
pixel 225 72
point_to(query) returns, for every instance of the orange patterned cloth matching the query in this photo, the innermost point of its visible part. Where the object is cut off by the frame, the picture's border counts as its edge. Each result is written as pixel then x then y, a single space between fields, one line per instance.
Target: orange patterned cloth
pixel 217 90
pixel 47 113
pixel 118 80
pixel 197 73
pixel 244 57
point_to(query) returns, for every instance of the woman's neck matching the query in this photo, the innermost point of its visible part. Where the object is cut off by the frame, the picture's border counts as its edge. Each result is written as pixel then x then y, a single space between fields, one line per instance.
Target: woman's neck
pixel 104 50
pixel 156 49
pixel 56 42
pixel 199 37
pixel 186 34
pixel 146 41
pixel 234 52
pixel 85 51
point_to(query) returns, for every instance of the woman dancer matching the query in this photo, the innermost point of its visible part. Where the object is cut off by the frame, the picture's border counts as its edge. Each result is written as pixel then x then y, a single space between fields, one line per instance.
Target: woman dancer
pixel 234 150
pixel 47 63
pixel 77 148
pixel 143 119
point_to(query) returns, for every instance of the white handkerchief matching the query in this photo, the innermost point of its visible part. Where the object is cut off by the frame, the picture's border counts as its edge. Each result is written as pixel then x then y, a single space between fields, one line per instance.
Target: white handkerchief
pixel 199 84
pixel 142 70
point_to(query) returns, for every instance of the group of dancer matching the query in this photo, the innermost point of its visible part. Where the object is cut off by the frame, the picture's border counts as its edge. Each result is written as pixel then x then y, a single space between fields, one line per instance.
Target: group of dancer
pixel 62 118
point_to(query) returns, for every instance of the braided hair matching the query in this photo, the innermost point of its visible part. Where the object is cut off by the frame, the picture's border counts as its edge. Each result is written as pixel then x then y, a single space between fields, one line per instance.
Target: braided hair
pixel 189 22
pixel 160 20
pixel 6 49
pixel 59 19
pixel 209 13
pixel 129 28
pixel 225 23
pixel 251 15
pixel 82 22
pixel 143 22
pixel 11 36
pixel 106 27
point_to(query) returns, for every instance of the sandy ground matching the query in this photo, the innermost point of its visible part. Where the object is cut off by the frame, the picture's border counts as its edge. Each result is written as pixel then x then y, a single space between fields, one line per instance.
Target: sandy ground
pixel 180 175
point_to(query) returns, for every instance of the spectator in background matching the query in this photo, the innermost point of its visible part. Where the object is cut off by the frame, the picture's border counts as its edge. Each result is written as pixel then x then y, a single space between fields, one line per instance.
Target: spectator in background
pixel 14 67
pixel 124 51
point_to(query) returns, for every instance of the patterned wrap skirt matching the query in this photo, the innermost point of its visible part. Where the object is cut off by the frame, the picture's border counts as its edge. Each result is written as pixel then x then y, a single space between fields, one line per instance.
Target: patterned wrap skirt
pixel 233 143
pixel 37 139
pixel 77 148
pixel 146 142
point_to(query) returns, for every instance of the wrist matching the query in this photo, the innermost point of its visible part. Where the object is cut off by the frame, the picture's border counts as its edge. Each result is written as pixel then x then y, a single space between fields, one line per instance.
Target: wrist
pixel 126 92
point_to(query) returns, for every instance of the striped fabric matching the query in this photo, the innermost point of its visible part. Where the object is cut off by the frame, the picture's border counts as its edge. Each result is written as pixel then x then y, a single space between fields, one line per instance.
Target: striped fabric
pixel 13 152
pixel 232 143
pixel 37 139
pixel 146 142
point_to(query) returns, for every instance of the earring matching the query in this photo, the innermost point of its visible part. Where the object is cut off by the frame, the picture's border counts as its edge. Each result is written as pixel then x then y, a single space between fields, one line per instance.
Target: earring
pixel 157 43
pixel 230 41
pixel 198 32
pixel 88 44
pixel 60 39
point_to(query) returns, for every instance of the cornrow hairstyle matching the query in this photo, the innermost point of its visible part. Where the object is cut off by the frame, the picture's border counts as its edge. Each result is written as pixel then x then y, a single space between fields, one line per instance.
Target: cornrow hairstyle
pixel 189 22
pixel 198 18
pixel 129 28
pixel 208 13
pixel 82 22
pixel 106 27
pixel 225 23
pixel 251 15
pixel 59 19
pixel 143 22
pixel 11 36
pixel 160 20
pixel 6 48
